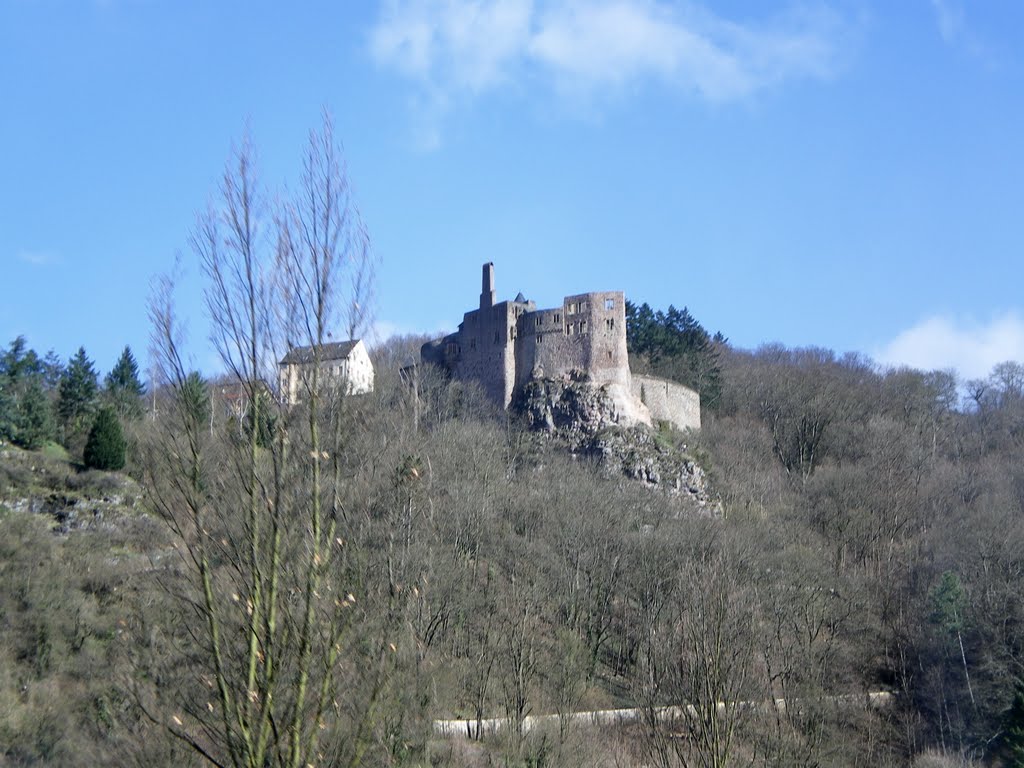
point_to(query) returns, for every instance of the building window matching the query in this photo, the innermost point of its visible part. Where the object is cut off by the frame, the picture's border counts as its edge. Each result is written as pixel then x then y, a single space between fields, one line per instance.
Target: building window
pixel 540 338
pixel 609 303
pixel 583 327
pixel 571 329
pixel 558 319
pixel 610 323
pixel 539 320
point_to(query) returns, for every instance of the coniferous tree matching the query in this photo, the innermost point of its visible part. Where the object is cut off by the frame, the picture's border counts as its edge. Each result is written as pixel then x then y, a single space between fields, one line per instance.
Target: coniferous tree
pixel 675 345
pixel 104 449
pixel 124 390
pixel 35 417
pixel 53 371
pixel 76 394
pixel 195 399
pixel 8 400
pixel 25 417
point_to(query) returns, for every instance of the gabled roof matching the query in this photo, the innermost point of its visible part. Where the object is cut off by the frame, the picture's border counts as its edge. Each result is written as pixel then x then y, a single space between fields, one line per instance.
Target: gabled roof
pixel 338 350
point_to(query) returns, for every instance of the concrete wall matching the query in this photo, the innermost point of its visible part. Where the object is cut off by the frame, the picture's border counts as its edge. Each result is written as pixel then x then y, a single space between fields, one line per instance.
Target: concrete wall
pixel 668 401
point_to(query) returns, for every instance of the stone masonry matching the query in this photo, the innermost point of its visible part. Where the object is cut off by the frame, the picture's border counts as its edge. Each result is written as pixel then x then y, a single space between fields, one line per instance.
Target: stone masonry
pixel 504 345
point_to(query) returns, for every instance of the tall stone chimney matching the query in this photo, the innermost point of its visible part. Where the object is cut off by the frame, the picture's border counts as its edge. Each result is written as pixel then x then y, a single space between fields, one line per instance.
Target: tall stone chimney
pixel 487 286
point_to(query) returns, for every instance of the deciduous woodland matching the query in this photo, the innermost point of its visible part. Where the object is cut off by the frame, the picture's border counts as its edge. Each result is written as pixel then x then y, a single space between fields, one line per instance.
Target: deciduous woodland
pixel 317 584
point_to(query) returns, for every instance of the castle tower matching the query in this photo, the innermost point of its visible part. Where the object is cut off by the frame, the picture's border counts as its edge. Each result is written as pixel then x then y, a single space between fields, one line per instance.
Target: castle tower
pixel 487 293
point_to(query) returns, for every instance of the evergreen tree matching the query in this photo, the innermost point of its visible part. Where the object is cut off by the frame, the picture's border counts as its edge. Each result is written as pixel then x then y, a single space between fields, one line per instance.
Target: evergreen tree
pixel 53 371
pixel 677 347
pixel 76 394
pixel 25 417
pixel 6 413
pixel 124 391
pixel 104 449
pixel 34 422
pixel 19 361
pixel 195 400
pixel 260 417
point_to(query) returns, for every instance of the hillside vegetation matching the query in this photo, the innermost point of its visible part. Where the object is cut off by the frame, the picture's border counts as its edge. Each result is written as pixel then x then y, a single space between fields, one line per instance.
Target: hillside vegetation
pixel 870 539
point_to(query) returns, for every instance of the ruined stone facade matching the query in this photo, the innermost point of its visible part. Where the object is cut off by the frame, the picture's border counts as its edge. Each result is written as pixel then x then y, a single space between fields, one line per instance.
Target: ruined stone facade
pixel 504 345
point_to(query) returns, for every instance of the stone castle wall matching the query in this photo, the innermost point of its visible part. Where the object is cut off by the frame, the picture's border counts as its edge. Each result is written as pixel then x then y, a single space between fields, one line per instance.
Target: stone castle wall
pixel 485 350
pixel 586 335
pixel 505 345
pixel 668 401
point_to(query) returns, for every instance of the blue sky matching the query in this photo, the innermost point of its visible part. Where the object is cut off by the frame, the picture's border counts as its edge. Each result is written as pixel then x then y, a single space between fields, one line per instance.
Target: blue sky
pixel 842 173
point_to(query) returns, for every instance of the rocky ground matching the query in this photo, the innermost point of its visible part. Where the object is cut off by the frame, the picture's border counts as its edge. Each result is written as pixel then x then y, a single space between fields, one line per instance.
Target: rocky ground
pixel 589 421
pixel 71 497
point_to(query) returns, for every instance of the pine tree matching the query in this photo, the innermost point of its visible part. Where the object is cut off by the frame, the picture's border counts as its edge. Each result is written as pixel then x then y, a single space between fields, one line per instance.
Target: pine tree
pixel 34 421
pixel 53 371
pixel 676 346
pixel 124 391
pixel 105 447
pixel 25 417
pixel 196 399
pixel 76 394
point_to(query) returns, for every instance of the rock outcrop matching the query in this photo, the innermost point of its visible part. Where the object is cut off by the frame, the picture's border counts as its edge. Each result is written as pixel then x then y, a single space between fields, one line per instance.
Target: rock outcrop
pixel 596 421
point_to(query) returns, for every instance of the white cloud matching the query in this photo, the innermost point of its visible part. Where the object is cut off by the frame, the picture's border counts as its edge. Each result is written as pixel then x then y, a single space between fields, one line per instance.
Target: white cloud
pixel 455 48
pixel 950 17
pixel 971 347
pixel 37 258
pixel 466 44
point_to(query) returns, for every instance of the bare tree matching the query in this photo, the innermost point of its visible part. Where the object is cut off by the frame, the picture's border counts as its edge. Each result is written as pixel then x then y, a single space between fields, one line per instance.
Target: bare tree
pixel 263 523
pixel 709 667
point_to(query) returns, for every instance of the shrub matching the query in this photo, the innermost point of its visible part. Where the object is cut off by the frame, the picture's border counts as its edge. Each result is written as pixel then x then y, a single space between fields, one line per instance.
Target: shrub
pixel 105 447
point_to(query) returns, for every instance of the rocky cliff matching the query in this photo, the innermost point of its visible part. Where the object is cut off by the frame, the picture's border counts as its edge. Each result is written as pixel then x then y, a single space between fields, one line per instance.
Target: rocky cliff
pixel 596 421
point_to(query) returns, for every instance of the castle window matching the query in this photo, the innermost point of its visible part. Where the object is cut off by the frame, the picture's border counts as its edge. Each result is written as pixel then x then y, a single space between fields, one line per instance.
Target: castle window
pixel 558 318
pixel 573 308
pixel 609 303
pixel 540 319
pixel 540 338
pixel 609 354
pixel 610 323
pixel 583 326
pixel 571 329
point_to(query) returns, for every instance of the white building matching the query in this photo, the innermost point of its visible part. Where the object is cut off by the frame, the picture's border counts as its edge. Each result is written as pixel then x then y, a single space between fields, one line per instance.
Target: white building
pixel 343 364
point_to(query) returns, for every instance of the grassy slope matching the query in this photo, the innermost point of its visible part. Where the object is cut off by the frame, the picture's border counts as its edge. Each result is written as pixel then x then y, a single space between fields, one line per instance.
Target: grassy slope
pixel 70 541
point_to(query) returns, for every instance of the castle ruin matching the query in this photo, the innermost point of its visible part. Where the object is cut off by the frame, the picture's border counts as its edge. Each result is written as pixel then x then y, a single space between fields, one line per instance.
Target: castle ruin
pixel 504 345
